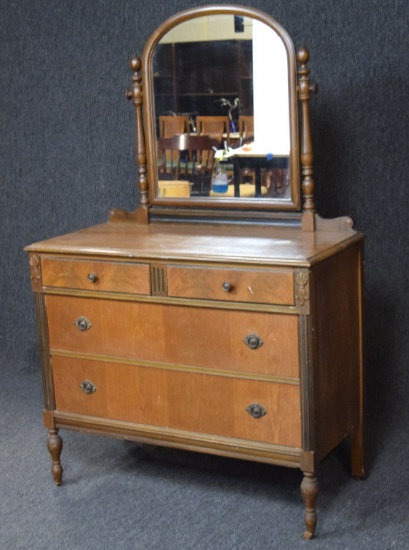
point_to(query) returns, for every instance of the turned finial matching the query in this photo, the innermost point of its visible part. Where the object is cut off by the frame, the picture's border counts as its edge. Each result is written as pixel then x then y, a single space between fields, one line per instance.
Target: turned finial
pixel 303 55
pixel 135 64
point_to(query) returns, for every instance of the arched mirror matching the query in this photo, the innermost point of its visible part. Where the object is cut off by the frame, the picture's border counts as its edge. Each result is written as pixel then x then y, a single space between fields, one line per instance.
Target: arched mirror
pixel 216 97
pixel 228 74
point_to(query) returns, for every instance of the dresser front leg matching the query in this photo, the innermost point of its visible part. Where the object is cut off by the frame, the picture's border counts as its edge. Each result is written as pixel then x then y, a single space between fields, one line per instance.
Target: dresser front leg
pixel 54 446
pixel 309 492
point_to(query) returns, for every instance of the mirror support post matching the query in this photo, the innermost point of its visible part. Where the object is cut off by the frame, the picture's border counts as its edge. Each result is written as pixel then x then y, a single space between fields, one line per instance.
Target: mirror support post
pixel 307 157
pixel 141 214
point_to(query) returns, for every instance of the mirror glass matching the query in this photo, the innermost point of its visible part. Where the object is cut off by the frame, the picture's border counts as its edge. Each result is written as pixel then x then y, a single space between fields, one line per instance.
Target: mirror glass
pixel 221 100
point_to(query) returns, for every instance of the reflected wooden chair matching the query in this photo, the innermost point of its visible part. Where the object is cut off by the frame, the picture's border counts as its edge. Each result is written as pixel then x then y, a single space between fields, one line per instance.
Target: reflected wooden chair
pixel 246 128
pixel 172 125
pixel 217 127
pixel 187 157
pixel 246 133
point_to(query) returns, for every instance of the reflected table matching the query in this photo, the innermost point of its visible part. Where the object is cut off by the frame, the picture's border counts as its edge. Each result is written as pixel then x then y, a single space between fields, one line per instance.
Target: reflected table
pixel 255 162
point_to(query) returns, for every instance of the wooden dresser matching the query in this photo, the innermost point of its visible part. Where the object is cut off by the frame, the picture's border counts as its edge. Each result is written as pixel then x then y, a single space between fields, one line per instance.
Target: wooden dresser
pixel 242 341
pixel 214 322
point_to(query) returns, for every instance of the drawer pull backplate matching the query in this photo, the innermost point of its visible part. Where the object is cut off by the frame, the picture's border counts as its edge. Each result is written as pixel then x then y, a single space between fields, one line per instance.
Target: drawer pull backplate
pixel 256 411
pixel 83 324
pixel 88 387
pixel 253 341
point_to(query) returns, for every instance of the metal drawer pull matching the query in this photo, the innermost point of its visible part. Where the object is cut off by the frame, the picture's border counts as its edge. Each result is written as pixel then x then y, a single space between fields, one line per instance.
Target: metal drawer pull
pixel 253 341
pixel 92 278
pixel 82 324
pixel 88 387
pixel 227 286
pixel 256 411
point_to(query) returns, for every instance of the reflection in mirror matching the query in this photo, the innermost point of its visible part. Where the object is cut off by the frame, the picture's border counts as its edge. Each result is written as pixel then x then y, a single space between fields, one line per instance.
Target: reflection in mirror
pixel 212 77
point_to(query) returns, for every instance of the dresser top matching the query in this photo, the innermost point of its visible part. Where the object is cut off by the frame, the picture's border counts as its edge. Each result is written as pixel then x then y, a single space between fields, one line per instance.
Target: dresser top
pixel 200 242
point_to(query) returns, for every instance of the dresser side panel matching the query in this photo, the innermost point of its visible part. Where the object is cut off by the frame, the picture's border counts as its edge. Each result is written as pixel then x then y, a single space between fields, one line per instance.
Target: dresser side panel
pixel 336 335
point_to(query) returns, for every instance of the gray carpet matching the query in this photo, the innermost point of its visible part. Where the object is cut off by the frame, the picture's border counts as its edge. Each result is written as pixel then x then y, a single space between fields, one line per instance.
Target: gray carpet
pixel 120 495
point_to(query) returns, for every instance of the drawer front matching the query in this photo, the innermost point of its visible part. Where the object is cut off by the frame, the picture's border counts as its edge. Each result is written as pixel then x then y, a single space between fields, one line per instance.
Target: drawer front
pixel 96 275
pixel 180 335
pixel 179 400
pixel 237 285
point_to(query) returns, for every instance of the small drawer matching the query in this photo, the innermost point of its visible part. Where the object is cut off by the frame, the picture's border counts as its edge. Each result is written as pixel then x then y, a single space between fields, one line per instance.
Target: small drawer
pixel 237 285
pixel 260 411
pixel 95 275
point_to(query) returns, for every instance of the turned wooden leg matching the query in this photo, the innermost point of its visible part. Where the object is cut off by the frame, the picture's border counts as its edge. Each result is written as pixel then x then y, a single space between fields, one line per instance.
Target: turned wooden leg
pixel 54 446
pixel 309 492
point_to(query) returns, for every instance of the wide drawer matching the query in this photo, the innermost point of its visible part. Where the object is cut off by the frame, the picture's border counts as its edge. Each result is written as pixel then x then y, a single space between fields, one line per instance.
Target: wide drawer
pixel 175 334
pixel 95 275
pixel 239 285
pixel 179 400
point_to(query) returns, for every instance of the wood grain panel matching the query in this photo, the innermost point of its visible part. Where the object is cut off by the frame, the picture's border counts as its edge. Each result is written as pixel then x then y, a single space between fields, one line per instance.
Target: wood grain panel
pixel 179 400
pixel 181 335
pixel 338 355
pixel 109 277
pixel 255 286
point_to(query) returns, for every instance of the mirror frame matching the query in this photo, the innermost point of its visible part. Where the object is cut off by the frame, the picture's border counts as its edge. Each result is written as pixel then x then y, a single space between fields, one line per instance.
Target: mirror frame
pixel 165 205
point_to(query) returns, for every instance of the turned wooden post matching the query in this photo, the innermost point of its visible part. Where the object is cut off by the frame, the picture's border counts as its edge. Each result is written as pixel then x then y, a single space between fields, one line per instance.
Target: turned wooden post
pixel 136 95
pixel 307 157
pixel 54 446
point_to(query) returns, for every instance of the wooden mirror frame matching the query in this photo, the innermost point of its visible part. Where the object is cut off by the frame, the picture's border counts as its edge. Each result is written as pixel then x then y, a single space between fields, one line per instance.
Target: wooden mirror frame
pixel 152 207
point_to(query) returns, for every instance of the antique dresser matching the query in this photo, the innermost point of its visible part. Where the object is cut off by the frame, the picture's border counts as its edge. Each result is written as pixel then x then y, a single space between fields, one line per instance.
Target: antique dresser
pixel 225 322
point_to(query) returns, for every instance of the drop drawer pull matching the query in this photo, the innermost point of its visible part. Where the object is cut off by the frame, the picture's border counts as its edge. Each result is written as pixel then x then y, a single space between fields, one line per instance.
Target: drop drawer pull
pixel 256 411
pixel 83 324
pixel 253 341
pixel 88 387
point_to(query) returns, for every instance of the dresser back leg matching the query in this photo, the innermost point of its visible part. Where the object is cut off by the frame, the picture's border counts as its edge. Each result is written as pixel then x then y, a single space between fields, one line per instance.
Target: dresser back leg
pixel 357 453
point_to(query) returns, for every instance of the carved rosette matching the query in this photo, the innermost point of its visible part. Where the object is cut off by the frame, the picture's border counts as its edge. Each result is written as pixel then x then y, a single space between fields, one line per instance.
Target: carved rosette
pixel 302 293
pixel 35 272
